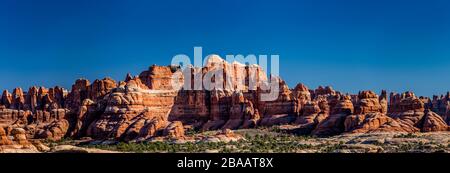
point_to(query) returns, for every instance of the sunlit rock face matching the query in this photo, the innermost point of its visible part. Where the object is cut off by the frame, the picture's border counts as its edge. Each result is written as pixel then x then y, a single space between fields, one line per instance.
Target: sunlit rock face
pixel 163 101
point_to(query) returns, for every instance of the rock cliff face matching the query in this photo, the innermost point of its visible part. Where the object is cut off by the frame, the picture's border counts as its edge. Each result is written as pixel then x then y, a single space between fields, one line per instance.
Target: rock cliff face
pixel 149 105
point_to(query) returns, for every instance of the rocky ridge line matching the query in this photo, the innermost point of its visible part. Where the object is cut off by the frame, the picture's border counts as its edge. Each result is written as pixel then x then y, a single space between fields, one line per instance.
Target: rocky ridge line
pixel 146 107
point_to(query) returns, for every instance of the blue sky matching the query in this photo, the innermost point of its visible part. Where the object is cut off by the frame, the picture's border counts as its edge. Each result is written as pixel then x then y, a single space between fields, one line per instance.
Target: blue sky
pixel 353 45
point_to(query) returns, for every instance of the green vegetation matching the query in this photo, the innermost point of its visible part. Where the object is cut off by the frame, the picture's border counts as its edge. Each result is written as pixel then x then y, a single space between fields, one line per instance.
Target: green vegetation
pixel 252 144
pixel 408 147
pixel 63 141
pixel 276 140
pixel 330 148
pixel 191 132
pixel 409 135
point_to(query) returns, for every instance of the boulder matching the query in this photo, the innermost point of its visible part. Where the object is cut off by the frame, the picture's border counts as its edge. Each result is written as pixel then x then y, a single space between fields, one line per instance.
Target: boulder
pixel 20 136
pixel 174 130
pixel 55 131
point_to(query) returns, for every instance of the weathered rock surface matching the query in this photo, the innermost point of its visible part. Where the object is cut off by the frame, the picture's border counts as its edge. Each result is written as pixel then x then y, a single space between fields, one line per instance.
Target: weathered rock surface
pixel 174 130
pixel 54 131
pixel 432 122
pixel 226 135
pixel 4 140
pixel 148 106
pixel 371 115
pixel 15 141
pixel 334 124
pixel 75 149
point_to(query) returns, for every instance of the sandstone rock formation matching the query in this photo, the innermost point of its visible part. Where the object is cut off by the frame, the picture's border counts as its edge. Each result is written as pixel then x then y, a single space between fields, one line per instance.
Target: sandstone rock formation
pixel 54 131
pixel 281 110
pixel 149 105
pixel 4 140
pixel 407 114
pixel 225 135
pixel 369 114
pixel 432 122
pixel 441 105
pixel 20 137
pixel 174 130
pixel 334 124
pixel 312 115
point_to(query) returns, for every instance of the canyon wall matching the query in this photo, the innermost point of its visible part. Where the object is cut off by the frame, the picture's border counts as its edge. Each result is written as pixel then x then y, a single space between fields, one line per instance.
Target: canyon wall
pixel 148 105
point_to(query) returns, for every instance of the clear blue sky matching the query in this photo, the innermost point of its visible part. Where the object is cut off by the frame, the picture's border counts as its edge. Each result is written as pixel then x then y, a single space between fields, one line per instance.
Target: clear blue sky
pixel 349 44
